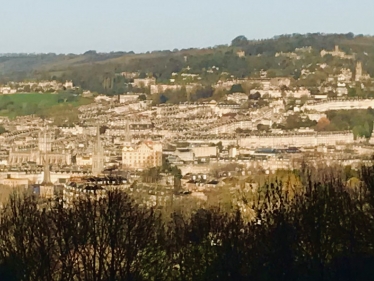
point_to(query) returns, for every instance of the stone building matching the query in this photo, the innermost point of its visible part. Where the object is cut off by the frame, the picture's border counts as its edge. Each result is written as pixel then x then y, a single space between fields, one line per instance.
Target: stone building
pixel 91 188
pixel 143 82
pixel 29 153
pixel 145 154
pixel 337 53
pixel 338 104
pixel 297 139
pixel 205 151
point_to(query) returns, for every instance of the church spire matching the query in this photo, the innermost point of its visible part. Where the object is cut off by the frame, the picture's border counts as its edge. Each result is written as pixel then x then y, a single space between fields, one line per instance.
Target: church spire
pixel 128 133
pixel 46 187
pixel 47 173
pixel 98 143
pixel 45 148
pixel 98 155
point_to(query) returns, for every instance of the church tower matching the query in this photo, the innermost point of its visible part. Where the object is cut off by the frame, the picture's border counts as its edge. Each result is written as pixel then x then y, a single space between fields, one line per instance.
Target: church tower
pixel 98 155
pixel 45 141
pixel 127 145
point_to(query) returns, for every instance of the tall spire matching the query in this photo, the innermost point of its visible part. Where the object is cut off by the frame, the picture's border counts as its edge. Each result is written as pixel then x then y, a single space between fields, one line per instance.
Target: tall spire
pixel 46 187
pixel 98 143
pixel 128 133
pixel 47 173
pixel 98 155
pixel 45 149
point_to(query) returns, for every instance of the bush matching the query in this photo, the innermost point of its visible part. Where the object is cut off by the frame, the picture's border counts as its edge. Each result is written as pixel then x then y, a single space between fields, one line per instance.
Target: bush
pixel 313 228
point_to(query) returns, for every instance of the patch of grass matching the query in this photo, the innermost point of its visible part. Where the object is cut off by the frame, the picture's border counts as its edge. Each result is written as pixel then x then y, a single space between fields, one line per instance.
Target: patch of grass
pixel 36 103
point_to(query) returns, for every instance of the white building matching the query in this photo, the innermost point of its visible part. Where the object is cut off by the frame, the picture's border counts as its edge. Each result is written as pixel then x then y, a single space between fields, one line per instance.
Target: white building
pixel 160 88
pixel 297 140
pixel 302 92
pixel 127 97
pixel 204 151
pixel 83 160
pixel 185 154
pixel 238 98
pixel 145 154
pixel 341 91
pixel 143 82
pixel 339 105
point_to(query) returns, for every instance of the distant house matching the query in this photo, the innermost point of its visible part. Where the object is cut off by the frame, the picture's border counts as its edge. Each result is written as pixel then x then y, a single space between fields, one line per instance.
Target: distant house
pixel 238 98
pixel 143 82
pixel 84 160
pixel 127 97
pixel 240 54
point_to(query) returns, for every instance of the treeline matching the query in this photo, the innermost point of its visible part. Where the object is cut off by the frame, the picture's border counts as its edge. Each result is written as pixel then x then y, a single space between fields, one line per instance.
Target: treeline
pixel 360 121
pixel 198 94
pixel 289 42
pixel 319 230
pixel 98 72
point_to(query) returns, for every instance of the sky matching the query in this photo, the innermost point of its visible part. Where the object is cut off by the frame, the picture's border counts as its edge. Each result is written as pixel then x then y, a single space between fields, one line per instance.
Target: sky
pixel 76 26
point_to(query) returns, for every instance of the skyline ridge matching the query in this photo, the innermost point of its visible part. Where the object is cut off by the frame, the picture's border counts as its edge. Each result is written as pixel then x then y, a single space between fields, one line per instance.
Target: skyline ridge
pixel 251 40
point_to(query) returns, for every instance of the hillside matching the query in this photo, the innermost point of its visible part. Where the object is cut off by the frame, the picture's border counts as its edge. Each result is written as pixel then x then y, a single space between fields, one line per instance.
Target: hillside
pixel 63 107
pixel 99 71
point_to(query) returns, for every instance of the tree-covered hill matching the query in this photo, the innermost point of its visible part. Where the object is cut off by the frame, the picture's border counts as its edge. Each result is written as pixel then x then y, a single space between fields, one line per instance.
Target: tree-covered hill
pixel 99 71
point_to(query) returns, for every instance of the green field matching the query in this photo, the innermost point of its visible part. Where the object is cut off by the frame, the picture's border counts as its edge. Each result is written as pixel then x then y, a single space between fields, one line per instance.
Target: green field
pixel 44 105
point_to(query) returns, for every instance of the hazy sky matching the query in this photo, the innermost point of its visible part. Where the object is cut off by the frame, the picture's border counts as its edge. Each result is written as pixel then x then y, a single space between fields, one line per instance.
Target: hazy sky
pixel 75 26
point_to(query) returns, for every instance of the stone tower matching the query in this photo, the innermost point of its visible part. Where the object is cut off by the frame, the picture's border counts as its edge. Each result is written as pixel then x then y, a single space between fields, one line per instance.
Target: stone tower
pixel 45 141
pixel 98 155
pixel 358 74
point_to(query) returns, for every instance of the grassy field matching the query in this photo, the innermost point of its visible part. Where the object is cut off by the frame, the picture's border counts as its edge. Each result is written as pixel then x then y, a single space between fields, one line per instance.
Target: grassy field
pixel 36 103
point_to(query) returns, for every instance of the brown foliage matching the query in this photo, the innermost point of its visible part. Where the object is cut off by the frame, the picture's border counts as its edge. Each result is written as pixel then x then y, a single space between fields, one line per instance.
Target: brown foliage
pixel 322 124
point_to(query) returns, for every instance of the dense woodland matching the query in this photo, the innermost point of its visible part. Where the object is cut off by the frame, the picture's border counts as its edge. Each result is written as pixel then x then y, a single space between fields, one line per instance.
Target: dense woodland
pixel 320 229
